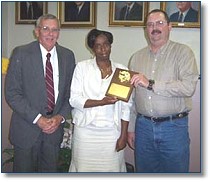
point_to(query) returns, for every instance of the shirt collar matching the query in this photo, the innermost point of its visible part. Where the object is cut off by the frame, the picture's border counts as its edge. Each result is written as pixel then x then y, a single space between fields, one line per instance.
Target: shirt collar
pixel 162 49
pixel 184 13
pixel 131 6
pixel 44 52
pixel 96 66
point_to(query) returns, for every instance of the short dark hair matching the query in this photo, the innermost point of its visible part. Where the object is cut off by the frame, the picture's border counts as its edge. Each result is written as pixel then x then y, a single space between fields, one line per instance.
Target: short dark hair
pixel 161 11
pixel 94 33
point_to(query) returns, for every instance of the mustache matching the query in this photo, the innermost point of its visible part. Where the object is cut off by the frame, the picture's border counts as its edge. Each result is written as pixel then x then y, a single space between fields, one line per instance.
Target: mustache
pixel 156 31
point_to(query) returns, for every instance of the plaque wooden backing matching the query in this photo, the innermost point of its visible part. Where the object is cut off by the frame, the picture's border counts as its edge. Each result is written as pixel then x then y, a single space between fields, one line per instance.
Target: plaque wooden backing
pixel 120 85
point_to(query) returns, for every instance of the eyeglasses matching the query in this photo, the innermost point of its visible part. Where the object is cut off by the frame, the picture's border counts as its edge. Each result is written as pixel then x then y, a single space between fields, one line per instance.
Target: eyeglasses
pixel 48 30
pixel 157 24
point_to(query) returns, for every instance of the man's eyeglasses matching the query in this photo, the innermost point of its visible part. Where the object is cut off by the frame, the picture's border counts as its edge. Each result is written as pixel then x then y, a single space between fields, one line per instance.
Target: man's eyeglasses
pixel 157 24
pixel 47 29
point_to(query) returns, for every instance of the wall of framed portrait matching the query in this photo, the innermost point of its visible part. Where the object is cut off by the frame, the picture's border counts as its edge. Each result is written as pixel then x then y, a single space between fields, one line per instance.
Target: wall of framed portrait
pixel 26 12
pixel 128 38
pixel 192 16
pixel 128 13
pixel 77 14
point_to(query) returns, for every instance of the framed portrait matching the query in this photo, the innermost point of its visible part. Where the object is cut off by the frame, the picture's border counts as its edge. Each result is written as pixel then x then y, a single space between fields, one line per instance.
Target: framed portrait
pixel 27 12
pixel 128 13
pixel 77 14
pixel 190 18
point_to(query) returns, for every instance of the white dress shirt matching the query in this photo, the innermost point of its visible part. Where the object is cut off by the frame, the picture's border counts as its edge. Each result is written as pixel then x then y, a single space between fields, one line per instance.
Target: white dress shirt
pixel 54 63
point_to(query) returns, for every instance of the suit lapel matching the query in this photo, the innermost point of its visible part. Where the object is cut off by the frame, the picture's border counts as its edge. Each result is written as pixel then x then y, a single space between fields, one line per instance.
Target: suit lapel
pixel 61 68
pixel 189 15
pixel 38 70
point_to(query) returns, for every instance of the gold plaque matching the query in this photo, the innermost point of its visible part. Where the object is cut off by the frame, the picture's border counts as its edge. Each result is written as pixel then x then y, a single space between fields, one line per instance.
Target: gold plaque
pixel 120 85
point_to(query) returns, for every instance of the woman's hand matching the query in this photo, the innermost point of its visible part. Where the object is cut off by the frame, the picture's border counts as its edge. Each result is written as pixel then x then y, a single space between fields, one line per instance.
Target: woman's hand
pixel 109 100
pixel 105 101
pixel 121 143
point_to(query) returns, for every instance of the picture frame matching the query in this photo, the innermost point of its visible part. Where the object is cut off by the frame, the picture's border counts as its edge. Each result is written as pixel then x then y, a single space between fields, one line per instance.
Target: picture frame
pixel 135 17
pixel 86 18
pixel 172 11
pixel 27 12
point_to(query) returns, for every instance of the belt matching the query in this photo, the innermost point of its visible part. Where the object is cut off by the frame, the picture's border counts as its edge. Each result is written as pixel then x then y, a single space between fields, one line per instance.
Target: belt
pixel 162 119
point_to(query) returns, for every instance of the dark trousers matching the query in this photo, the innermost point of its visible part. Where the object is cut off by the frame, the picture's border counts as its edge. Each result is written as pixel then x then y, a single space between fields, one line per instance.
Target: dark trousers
pixel 41 157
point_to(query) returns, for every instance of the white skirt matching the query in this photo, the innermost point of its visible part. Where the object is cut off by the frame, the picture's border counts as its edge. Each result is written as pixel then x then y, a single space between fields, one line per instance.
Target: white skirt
pixel 93 150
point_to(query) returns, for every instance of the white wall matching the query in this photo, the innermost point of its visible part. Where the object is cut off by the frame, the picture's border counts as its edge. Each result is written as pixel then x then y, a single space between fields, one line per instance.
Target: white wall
pixel 127 40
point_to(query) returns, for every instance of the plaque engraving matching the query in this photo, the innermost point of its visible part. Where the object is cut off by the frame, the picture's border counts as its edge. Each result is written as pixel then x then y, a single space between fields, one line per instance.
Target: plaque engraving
pixel 120 85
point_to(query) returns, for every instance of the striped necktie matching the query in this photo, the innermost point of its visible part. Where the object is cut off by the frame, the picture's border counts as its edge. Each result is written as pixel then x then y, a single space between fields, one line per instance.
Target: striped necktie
pixel 49 85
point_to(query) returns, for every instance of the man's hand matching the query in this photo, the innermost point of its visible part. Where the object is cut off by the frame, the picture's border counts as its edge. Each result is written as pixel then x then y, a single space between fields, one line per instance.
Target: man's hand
pixel 140 79
pixel 50 125
pixel 44 123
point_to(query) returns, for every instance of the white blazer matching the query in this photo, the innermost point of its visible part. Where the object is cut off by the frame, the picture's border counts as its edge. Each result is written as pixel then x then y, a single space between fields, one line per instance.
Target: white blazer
pixel 87 72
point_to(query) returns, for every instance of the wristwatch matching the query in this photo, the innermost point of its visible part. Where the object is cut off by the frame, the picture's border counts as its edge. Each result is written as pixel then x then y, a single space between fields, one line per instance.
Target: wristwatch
pixel 151 83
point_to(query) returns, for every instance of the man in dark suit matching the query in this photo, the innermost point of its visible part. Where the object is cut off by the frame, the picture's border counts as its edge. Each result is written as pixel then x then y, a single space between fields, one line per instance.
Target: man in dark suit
pixel 77 11
pixel 185 14
pixel 30 10
pixel 132 11
pixel 36 129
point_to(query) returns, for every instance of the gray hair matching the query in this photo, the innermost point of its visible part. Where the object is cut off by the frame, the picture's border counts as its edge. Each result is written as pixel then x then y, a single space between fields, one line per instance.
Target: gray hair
pixel 46 17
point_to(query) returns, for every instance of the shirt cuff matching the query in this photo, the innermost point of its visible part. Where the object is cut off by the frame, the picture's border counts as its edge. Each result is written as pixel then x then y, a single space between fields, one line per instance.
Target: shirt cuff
pixel 37 118
pixel 63 120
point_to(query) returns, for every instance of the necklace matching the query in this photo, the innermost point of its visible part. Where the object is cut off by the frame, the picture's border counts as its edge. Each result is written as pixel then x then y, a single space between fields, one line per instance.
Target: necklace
pixel 105 72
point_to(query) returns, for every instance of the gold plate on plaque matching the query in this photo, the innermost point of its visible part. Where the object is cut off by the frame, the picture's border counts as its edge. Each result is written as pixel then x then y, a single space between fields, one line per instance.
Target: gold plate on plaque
pixel 120 85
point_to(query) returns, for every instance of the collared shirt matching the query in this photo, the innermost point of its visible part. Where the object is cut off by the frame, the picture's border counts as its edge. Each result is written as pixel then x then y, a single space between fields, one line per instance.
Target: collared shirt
pixel 130 6
pixel 28 4
pixel 80 7
pixel 54 63
pixel 128 10
pixel 175 73
pixel 184 14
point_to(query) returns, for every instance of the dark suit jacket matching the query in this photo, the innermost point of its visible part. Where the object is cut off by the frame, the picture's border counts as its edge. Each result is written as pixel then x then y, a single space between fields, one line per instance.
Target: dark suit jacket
pixel 71 13
pixel 135 12
pixel 25 92
pixel 191 16
pixel 37 11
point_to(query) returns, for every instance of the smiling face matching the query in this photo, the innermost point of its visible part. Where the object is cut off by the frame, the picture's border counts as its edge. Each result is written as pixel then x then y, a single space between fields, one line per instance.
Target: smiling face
pixel 102 48
pixel 47 33
pixel 158 29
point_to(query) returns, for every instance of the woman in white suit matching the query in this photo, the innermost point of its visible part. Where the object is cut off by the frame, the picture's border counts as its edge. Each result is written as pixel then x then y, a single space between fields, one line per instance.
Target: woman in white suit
pixel 100 122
